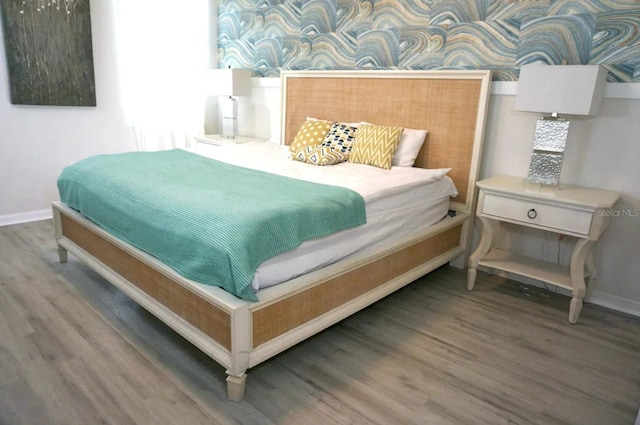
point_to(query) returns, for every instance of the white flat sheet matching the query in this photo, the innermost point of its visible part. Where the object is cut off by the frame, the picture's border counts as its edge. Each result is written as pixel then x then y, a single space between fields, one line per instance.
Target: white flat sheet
pixel 398 202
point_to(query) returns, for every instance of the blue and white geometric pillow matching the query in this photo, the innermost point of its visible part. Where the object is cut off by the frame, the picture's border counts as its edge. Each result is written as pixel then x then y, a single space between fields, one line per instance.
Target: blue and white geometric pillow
pixel 340 137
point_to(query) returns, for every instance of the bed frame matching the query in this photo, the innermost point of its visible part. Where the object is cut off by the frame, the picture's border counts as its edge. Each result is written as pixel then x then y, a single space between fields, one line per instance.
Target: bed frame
pixel 239 334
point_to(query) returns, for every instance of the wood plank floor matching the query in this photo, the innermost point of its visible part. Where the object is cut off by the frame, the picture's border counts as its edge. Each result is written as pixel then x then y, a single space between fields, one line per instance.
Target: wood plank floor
pixel 74 350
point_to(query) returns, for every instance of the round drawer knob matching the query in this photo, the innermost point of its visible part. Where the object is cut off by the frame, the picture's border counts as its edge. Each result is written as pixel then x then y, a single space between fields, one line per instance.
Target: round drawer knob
pixel 532 213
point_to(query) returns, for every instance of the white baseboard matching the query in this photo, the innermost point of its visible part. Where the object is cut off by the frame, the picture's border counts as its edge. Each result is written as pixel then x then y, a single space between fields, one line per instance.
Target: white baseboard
pixel 616 303
pixel 599 298
pixel 6 220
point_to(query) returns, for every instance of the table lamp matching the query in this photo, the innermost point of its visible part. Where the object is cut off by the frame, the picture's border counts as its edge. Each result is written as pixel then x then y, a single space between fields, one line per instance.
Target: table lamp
pixel 556 89
pixel 229 82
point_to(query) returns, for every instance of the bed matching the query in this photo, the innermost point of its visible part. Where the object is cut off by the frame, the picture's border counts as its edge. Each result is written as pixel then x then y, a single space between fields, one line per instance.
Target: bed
pixel 240 334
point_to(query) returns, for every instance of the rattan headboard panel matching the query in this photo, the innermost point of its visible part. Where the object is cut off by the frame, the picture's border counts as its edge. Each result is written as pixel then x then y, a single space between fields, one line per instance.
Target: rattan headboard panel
pixel 451 105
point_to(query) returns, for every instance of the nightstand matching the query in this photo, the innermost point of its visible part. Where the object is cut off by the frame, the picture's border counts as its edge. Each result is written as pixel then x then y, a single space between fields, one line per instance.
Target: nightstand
pixel 566 210
pixel 219 140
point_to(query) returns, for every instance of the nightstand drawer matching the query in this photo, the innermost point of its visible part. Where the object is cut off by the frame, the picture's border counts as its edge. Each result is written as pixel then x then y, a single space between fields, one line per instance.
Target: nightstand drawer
pixel 535 214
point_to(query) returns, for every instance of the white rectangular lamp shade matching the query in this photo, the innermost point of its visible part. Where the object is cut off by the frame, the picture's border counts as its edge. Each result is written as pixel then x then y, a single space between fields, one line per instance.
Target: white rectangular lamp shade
pixel 562 89
pixel 230 82
pixel 556 89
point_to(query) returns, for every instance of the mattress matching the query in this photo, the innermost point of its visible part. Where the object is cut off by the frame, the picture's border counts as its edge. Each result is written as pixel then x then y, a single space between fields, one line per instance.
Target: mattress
pixel 399 202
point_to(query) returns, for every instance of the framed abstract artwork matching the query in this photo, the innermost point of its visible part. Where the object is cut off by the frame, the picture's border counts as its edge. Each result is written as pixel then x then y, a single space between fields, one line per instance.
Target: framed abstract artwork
pixel 49 52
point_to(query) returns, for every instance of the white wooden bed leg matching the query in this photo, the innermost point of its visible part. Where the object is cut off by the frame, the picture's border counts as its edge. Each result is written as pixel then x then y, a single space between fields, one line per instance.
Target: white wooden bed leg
pixel 241 347
pixel 57 224
pixel 62 254
pixel 235 386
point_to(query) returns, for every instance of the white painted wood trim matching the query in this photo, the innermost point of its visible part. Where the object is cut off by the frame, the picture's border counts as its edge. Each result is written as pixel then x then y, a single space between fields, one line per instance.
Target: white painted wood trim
pixel 478 74
pixel 230 303
pixel 216 296
pixel 503 88
pixel 624 305
pixel 177 323
pixel 241 339
pixel 478 141
pixel 279 292
pixel 622 90
pixel 26 217
pixel 302 332
pixel 611 90
pixel 265 82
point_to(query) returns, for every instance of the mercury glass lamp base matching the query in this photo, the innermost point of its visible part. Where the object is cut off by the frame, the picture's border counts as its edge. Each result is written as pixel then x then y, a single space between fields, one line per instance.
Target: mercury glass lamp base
pixel 548 151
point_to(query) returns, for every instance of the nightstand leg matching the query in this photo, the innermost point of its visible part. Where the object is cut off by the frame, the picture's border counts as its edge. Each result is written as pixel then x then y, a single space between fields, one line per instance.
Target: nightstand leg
pixel 578 259
pixel 486 240
pixel 471 277
pixel 593 274
pixel 575 307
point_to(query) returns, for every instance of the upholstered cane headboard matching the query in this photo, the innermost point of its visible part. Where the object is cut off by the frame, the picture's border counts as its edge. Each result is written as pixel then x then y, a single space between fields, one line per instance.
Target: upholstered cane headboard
pixel 451 105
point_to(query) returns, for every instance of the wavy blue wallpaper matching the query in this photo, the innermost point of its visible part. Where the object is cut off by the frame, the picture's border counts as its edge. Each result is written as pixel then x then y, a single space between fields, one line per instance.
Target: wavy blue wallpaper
pixel 501 35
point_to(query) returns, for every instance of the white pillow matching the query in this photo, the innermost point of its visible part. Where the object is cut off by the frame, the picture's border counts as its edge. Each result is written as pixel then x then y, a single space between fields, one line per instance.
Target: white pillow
pixel 350 124
pixel 407 151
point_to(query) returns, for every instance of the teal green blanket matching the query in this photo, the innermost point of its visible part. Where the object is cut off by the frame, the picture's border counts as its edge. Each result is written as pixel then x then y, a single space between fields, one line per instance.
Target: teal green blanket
pixel 212 222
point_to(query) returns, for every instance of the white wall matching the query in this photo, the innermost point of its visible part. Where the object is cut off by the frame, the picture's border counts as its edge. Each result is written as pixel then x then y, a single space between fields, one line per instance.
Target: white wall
pixel 36 142
pixel 602 152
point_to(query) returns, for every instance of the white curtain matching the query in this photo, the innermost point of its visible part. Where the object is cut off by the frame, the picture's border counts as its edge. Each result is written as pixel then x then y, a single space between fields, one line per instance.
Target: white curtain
pixel 163 57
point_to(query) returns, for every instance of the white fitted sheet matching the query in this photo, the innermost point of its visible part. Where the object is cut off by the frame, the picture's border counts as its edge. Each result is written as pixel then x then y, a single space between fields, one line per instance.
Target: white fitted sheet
pixel 398 202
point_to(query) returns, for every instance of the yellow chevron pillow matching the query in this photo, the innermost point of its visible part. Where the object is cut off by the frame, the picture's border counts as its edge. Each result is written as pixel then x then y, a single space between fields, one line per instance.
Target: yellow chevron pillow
pixel 375 145
pixel 311 133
